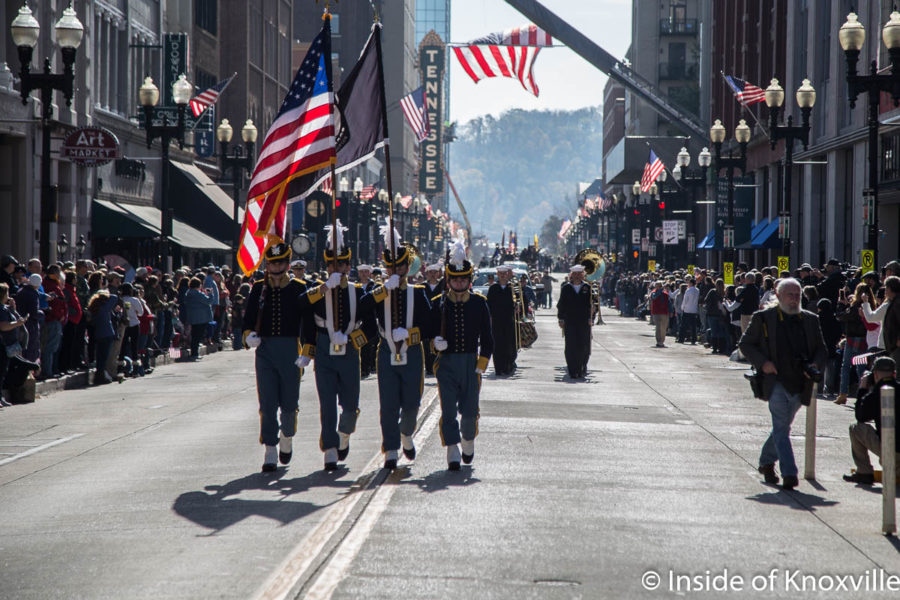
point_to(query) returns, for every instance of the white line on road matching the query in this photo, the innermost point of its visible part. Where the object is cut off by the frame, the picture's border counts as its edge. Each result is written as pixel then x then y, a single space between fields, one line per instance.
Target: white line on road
pixel 39 448
pixel 305 553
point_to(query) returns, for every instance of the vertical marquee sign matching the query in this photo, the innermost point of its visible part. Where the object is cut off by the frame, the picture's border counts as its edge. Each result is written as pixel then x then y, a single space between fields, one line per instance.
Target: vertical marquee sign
pixel 431 160
pixel 175 49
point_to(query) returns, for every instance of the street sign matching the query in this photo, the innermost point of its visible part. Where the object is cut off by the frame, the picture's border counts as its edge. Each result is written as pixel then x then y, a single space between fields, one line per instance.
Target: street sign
pixel 635 236
pixel 203 143
pixel 783 263
pixel 91 147
pixel 868 260
pixel 645 244
pixel 728 272
pixel 658 234
pixel 682 229
pixel 691 269
pixel 168 115
pixel 670 233
pixel 652 250
pixel 175 57
pixel 651 265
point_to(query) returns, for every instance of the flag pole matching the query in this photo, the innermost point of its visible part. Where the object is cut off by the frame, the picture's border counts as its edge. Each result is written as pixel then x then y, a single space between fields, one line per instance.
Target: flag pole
pixel 326 16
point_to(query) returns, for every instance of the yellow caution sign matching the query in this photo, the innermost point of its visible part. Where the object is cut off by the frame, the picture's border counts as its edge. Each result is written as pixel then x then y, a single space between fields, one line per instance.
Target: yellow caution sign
pixel 728 271
pixel 691 269
pixel 783 263
pixel 651 265
pixel 868 260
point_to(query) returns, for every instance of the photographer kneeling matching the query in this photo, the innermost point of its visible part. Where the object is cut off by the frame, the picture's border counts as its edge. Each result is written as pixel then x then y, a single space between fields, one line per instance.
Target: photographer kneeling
pixel 863 437
pixel 785 344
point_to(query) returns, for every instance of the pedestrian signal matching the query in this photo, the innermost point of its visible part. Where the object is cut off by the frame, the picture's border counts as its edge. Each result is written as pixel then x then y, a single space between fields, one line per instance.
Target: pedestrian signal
pixel 635 254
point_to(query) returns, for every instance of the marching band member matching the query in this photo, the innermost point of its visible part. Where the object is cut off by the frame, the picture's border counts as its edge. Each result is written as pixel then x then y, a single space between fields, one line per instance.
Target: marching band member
pixel 367 353
pixel 464 348
pixel 339 328
pixel 502 303
pixel 403 312
pixel 573 310
pixel 434 286
pixel 272 324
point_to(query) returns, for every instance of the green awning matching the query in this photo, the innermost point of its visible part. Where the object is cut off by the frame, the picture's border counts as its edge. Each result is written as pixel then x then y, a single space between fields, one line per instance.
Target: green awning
pixel 121 220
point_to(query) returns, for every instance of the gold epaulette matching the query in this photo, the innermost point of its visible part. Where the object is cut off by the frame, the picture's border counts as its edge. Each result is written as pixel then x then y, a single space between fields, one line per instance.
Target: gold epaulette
pixel 315 294
pixel 379 293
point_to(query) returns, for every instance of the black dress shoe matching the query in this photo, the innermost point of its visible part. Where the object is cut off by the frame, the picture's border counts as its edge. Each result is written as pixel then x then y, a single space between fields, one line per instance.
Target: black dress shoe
pixel 342 454
pixel 454 466
pixel 467 458
pixel 790 482
pixel 860 478
pixel 268 468
pixel 410 454
pixel 285 457
pixel 390 464
pixel 768 471
pixel 331 466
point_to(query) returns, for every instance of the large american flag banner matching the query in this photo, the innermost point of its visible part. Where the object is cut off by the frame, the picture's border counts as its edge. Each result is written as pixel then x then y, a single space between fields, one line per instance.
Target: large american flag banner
pixel 746 93
pixel 413 105
pixel 204 100
pixel 509 53
pixel 300 141
pixel 652 170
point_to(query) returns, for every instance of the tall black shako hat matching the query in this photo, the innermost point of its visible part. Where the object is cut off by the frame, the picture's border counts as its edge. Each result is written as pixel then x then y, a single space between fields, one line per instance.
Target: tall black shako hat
pixel 343 253
pixel 401 249
pixel 457 263
pixel 279 251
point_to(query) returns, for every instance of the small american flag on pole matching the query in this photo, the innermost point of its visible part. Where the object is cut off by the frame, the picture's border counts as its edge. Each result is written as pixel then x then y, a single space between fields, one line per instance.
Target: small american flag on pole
pixel 367 193
pixel 652 170
pixel 413 106
pixel 746 93
pixel 204 100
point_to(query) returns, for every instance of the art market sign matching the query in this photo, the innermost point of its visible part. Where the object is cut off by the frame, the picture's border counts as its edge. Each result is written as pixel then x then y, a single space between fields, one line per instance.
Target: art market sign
pixel 91 147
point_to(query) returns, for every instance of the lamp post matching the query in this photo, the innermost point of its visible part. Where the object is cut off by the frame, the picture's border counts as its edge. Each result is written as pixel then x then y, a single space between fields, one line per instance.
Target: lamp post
pixel 240 161
pixel 80 246
pixel 149 96
pixel 742 135
pixel 25 31
pixel 852 35
pixel 62 246
pixel 806 98
pixel 691 179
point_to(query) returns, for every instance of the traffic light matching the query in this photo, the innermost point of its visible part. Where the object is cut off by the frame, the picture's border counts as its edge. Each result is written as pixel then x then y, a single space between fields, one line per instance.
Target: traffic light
pixel 635 254
pixel 637 212
pixel 662 205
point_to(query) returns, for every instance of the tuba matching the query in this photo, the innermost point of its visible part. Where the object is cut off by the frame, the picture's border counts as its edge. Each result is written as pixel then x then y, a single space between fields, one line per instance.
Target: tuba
pixel 594 268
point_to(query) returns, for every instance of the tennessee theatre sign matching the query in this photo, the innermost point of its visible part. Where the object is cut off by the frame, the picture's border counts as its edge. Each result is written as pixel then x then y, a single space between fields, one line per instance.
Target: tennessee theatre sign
pixel 431 159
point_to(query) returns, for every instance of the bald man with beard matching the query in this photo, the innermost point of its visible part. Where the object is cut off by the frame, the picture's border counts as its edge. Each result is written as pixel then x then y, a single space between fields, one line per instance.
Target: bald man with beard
pixel 784 343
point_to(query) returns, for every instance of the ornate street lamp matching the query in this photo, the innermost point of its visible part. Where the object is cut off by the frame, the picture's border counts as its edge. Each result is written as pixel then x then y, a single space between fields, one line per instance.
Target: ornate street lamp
pixel 80 246
pixel 851 36
pixel 62 246
pixel 692 179
pixel 717 135
pixel 148 94
pixel 241 161
pixel 25 31
pixel 806 98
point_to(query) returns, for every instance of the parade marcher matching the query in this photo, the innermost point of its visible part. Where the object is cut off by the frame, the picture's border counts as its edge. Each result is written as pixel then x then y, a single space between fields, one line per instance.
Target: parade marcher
pixel 434 286
pixel 368 352
pixel 333 337
pixel 573 311
pixel 464 348
pixel 403 312
pixel 502 304
pixel 272 322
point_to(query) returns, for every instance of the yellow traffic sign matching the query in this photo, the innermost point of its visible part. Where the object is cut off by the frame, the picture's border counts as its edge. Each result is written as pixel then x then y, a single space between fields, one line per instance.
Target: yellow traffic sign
pixel 691 269
pixel 868 260
pixel 783 264
pixel 651 265
pixel 728 271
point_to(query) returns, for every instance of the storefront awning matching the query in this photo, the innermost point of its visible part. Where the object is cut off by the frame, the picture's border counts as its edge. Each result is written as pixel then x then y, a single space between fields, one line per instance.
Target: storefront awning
pixel 767 237
pixel 198 201
pixel 709 242
pixel 120 220
pixel 754 230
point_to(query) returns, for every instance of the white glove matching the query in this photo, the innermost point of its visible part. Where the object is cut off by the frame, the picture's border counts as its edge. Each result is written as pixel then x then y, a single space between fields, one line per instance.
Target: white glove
pixel 339 338
pixel 399 334
pixel 334 280
pixel 302 362
pixel 440 344
pixel 479 371
pixel 253 340
pixel 392 283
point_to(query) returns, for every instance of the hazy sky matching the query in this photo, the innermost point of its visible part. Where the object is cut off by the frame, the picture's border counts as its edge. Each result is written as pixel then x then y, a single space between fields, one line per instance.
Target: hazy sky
pixel 566 80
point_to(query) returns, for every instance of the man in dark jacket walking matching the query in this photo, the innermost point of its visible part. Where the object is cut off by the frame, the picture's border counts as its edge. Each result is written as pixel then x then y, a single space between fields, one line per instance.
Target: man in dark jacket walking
pixel 785 344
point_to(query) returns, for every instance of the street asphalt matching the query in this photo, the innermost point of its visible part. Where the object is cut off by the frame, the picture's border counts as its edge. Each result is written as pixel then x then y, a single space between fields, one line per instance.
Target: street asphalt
pixel 639 482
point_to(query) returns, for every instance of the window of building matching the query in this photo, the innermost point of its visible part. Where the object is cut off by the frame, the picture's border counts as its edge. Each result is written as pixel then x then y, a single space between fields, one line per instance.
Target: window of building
pixel 256 35
pixel 335 24
pixel 206 15
pixel 204 80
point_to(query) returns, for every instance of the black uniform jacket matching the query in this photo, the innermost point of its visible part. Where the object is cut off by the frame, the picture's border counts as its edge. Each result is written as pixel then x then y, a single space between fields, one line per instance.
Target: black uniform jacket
pixel 574 307
pixel 276 310
pixel 313 303
pixel 422 317
pixel 466 325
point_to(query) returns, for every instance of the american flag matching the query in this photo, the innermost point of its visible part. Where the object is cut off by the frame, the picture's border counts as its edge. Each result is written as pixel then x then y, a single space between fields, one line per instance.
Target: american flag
pixel 367 193
pixel 746 93
pixel 507 54
pixel 326 185
pixel 652 170
pixel 202 101
pixel 300 141
pixel 588 204
pixel 413 106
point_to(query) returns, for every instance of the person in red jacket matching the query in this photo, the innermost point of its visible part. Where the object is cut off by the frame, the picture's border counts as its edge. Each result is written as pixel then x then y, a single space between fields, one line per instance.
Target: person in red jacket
pixel 55 319
pixel 71 348
pixel 659 312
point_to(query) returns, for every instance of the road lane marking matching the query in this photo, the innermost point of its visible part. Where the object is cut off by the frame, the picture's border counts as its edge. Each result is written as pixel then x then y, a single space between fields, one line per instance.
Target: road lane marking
pixel 304 554
pixel 37 449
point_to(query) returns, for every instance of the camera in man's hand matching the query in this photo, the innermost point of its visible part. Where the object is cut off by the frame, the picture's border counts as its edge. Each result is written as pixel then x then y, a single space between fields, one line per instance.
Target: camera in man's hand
pixel 811 371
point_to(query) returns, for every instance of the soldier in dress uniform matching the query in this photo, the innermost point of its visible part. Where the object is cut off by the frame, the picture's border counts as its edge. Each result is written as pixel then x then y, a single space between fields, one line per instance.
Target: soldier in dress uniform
pixel 573 310
pixel 464 348
pixel 502 303
pixel 272 325
pixel 339 326
pixel 367 354
pixel 404 319
pixel 434 286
